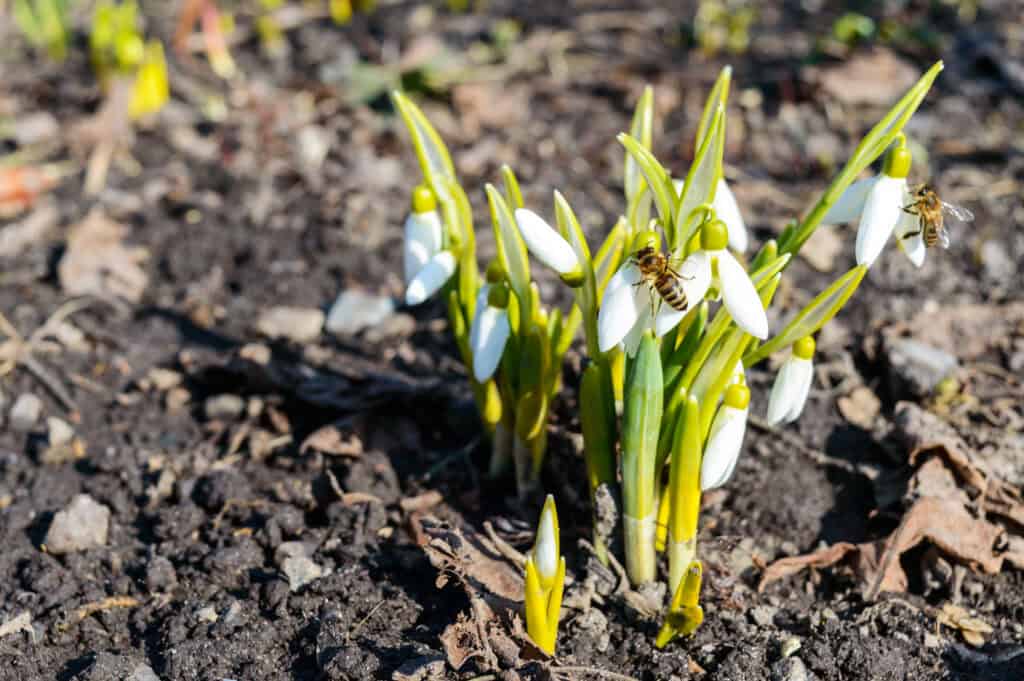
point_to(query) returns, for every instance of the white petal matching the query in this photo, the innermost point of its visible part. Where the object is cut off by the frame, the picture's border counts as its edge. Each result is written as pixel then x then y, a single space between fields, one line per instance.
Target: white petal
pixel 487 338
pixel 431 278
pixel 728 211
pixel 678 185
pixel 882 211
pixel 851 202
pixel 723 448
pixel 545 243
pixel 414 257
pixel 619 310
pixel 643 322
pixel 741 299
pixel 790 390
pixel 696 277
pixel 422 238
pixel 545 551
pixel 913 246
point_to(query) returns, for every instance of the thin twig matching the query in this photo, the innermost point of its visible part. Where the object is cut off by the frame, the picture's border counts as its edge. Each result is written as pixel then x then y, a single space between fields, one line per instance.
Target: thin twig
pixel 615 676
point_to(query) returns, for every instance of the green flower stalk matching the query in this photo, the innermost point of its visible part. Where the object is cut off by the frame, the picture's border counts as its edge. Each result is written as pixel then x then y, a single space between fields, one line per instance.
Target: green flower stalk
pixel 640 423
pixel 545 581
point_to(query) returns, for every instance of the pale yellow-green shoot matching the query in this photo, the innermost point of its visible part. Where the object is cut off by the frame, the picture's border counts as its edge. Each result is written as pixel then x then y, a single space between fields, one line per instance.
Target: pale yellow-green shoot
pixel 545 581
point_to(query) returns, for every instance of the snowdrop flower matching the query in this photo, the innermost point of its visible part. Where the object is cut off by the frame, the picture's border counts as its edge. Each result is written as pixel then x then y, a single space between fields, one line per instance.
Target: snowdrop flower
pixel 625 299
pixel 714 265
pixel 427 267
pixel 793 383
pixel 548 246
pixel 489 330
pixel 726 438
pixel 879 201
pixel 728 210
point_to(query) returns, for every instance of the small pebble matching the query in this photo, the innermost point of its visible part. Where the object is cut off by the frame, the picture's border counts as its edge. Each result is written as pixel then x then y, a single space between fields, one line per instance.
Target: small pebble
pixel 298 324
pixel 300 571
pixel 25 412
pixel 355 310
pixel 143 673
pixel 84 524
pixel 790 646
pixel 790 669
pixel 226 407
pixel 58 433
pixel 763 615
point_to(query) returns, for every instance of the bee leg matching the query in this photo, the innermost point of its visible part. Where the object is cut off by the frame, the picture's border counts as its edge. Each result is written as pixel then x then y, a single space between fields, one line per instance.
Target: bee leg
pixel 910 234
pixel 673 272
pixel 908 207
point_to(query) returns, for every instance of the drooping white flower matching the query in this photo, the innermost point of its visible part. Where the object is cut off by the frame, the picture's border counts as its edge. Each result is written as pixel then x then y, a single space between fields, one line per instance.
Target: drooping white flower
pixel 621 306
pixel 912 245
pixel 546 244
pixel 792 384
pixel 695 278
pixel 430 278
pixel 714 265
pixel 725 439
pixel 489 331
pixel 426 266
pixel 878 202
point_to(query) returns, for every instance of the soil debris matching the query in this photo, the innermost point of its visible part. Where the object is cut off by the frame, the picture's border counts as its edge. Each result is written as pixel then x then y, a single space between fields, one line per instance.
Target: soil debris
pixel 96 261
pixel 83 525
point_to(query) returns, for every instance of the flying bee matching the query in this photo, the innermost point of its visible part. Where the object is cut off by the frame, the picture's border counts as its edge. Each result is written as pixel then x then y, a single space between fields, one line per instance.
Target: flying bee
pixel 931 210
pixel 657 272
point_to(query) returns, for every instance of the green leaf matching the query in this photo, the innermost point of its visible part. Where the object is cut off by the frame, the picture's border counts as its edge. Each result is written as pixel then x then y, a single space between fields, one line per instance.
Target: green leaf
pixel 609 256
pixel 586 294
pixel 641 129
pixel 638 211
pixel 641 421
pixel 657 178
pixel 718 97
pixel 814 316
pixel 768 252
pixel 680 356
pixel 597 421
pixel 513 195
pixel 701 180
pixel 511 248
pixel 569 328
pixel 435 161
pixel 469 274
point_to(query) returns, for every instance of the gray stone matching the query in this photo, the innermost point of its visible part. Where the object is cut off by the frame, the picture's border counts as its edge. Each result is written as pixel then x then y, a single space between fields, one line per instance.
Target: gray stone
pixel 58 433
pixel 914 368
pixel 763 615
pixel 225 406
pixel 300 571
pixel 143 673
pixel 355 310
pixel 298 324
pixel 84 524
pixel 791 669
pixel 25 412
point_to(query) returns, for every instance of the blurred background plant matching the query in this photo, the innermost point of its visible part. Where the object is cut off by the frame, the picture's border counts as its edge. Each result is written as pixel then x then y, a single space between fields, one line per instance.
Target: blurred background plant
pixel 44 23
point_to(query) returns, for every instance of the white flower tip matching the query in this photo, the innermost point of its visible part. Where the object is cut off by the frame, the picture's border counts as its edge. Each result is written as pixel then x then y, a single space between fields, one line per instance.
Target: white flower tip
pixel 545 551
pixel 546 244
pixel 741 298
pixel 790 390
pixel 882 211
pixel 728 211
pixel 488 336
pixel 723 447
pixel 430 278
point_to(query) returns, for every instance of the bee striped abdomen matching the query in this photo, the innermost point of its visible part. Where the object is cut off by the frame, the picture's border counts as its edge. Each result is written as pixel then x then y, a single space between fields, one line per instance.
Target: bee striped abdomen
pixel 670 288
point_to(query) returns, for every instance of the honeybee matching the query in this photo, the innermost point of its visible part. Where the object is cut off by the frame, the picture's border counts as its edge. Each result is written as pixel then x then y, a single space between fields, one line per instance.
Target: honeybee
pixel 931 210
pixel 657 273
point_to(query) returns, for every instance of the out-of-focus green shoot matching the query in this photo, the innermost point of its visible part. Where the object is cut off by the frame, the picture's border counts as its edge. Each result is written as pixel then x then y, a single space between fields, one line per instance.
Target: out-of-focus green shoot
pixel 545 581
pixel 724 25
pixel 119 52
pixel 684 613
pixel 44 23
pixel 853 28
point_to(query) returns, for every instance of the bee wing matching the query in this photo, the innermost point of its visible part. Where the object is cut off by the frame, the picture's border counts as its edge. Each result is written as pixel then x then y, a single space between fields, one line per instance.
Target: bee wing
pixel 943 237
pixel 959 212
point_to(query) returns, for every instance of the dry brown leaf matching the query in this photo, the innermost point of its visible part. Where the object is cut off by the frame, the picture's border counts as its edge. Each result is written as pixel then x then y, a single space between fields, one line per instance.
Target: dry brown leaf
pixel 876 77
pixel 330 440
pixel 972 629
pixel 421 502
pixel 860 407
pixel 97 262
pixel 474 559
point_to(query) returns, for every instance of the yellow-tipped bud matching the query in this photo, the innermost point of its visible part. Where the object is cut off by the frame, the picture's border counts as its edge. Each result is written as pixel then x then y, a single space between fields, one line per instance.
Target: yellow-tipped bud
pixel 804 348
pixel 423 200
pixel 545 581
